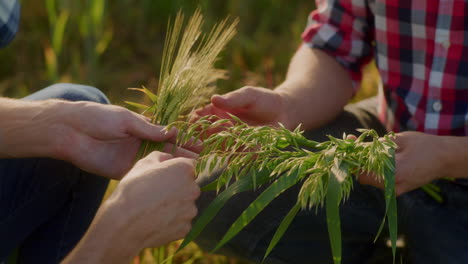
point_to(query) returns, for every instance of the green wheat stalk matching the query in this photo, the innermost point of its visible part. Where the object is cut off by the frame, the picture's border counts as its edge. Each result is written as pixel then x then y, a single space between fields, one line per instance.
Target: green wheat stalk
pixel 188 75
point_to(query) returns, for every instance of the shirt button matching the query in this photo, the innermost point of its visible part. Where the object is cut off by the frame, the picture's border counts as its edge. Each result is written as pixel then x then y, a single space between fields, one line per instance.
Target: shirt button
pixel 446 44
pixel 437 106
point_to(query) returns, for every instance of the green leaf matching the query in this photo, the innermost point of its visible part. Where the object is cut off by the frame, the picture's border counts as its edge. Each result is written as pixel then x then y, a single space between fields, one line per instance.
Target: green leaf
pixel 390 200
pixel 242 185
pixel 137 105
pixel 59 30
pixel 273 191
pixel 433 191
pixel 332 208
pixel 287 220
pixel 151 95
pixel 390 205
pixel 51 11
pixel 97 11
pixel 213 186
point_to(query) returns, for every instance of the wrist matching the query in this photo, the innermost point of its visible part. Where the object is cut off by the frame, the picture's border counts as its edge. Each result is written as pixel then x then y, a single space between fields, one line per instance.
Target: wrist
pixel 59 131
pixel 51 127
pixel 28 128
pixel 288 116
pixel 120 244
pixel 453 153
pixel 106 240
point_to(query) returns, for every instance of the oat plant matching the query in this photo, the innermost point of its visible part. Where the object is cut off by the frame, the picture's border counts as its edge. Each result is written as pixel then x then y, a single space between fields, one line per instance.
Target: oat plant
pixel 188 73
pixel 254 156
pixel 251 157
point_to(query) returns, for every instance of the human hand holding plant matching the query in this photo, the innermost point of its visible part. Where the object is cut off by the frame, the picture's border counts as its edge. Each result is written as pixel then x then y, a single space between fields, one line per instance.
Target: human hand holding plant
pixel 253 105
pixel 101 139
pixel 257 141
pixel 418 161
pixel 158 197
pixel 162 187
pixel 105 139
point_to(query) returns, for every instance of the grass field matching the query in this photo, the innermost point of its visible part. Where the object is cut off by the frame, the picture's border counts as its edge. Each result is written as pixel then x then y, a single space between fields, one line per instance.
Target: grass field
pixel 117 44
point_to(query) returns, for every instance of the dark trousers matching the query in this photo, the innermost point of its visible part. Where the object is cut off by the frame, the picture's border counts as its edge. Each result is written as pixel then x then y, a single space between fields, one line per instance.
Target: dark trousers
pixel 47 205
pixel 433 232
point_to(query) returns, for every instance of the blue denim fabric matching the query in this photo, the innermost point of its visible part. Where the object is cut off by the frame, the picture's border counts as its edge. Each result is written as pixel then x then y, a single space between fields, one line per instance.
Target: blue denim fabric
pixel 433 232
pixel 47 205
pixel 9 21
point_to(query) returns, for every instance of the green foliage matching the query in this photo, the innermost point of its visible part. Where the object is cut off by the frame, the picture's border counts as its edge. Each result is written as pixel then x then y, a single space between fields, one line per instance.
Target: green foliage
pixel 86 17
pixel 287 220
pixel 276 188
pixel 134 32
pixel 259 55
pixel 188 75
pixel 287 158
pixel 239 186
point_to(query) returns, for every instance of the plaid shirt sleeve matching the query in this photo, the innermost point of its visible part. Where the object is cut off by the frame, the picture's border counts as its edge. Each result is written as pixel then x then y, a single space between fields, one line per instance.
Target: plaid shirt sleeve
pixel 344 30
pixel 9 20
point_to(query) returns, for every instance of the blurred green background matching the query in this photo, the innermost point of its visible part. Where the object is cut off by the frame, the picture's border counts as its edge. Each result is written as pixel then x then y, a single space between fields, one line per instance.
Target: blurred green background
pixel 114 45
pixel 118 44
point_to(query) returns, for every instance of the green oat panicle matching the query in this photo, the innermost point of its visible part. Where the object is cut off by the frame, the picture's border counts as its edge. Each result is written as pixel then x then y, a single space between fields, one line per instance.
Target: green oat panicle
pixel 251 157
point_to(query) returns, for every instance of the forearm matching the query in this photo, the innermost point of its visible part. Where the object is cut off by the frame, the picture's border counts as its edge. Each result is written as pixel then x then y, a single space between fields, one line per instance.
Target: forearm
pixel 105 242
pixel 316 86
pixel 26 128
pixel 454 156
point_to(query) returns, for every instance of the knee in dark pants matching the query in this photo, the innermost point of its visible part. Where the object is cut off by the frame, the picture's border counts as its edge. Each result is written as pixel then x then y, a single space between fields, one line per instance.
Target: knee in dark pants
pixel 70 92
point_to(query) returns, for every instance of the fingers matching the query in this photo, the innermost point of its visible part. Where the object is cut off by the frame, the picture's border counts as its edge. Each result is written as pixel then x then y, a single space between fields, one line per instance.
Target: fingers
pixel 179 152
pixel 185 166
pixel 370 179
pixel 235 100
pixel 207 111
pixel 171 151
pixel 138 126
pixel 181 159
pixel 193 146
pixel 400 141
pixel 159 156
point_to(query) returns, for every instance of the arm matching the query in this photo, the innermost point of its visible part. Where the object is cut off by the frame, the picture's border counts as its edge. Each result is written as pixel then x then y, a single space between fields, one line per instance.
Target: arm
pixel 422 158
pixel 101 139
pixel 153 205
pixel 455 159
pixel 337 43
pixel 315 90
pixel 24 126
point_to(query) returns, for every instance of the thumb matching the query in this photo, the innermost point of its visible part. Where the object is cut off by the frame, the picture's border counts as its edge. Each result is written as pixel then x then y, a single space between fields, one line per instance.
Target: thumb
pixel 143 129
pixel 159 156
pixel 370 179
pixel 235 100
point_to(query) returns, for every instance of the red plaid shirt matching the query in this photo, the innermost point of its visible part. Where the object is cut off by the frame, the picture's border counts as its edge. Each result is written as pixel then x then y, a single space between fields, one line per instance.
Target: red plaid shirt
pixel 421 51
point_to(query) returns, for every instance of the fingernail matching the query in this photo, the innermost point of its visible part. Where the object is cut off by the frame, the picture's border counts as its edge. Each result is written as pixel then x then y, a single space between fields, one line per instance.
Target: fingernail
pixel 170 131
pixel 218 97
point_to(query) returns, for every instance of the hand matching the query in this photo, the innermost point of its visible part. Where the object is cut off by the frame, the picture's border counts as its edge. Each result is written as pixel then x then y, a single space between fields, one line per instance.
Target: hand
pixel 159 199
pixel 153 205
pixel 253 105
pixel 105 139
pixel 419 160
